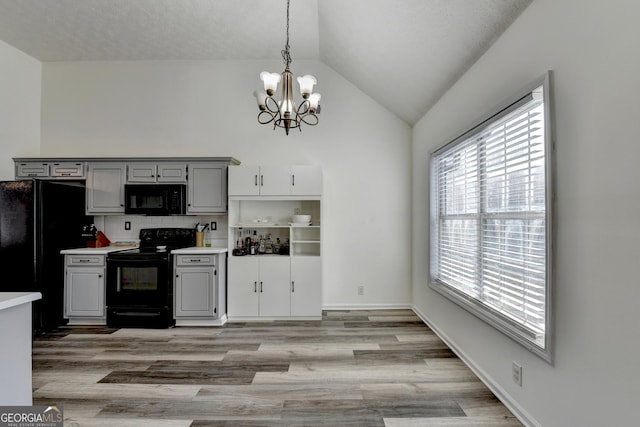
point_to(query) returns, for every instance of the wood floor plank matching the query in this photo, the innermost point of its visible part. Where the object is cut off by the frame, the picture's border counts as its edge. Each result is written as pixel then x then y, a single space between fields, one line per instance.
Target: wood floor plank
pixel 452 422
pixel 353 368
pixel 282 392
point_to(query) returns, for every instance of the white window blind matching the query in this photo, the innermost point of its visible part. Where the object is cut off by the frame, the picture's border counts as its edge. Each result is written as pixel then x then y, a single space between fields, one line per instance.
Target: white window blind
pixel 489 220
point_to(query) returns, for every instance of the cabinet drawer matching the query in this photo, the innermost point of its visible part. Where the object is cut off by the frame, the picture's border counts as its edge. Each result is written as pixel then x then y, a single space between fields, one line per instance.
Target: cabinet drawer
pixel 195 260
pixel 78 260
pixel 32 169
pixel 67 170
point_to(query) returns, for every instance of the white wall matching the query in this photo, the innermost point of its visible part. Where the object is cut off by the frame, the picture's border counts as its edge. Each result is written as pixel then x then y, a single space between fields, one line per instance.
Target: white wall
pixel 20 77
pixel 592 48
pixel 206 108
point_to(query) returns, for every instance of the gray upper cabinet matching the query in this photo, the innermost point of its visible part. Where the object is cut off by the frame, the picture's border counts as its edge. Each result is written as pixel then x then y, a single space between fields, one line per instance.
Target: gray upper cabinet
pixel 205 177
pixel 156 172
pixel 55 170
pixel 105 188
pixel 207 188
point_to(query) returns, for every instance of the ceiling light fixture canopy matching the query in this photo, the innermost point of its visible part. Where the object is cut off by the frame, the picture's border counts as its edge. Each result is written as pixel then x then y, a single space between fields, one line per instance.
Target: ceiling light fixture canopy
pixel 284 113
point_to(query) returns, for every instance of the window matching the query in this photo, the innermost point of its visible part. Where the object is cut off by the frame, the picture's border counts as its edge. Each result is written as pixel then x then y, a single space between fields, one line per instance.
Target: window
pixel 491 219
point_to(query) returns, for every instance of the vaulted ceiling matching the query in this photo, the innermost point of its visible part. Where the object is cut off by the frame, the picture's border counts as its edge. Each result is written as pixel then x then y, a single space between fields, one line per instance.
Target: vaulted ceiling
pixel 403 53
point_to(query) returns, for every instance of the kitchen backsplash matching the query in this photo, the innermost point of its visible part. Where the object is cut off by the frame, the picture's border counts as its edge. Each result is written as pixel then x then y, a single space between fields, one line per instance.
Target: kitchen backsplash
pixel 114 226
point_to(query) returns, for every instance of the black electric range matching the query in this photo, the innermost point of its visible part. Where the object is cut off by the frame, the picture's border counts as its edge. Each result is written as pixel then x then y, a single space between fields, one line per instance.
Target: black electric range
pixel 140 281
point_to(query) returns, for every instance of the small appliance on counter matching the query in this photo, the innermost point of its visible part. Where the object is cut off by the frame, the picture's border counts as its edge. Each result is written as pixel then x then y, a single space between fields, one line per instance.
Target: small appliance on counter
pixel 94 238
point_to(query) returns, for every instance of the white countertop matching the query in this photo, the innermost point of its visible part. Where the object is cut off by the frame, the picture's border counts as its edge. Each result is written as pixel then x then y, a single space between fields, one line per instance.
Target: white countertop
pixel 95 251
pixel 199 250
pixel 12 299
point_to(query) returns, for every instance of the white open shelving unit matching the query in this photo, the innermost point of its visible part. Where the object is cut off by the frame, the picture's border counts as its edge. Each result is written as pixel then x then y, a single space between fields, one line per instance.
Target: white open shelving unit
pixel 275 286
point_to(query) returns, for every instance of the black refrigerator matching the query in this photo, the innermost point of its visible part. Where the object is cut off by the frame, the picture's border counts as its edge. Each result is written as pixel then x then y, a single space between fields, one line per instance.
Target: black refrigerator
pixel 38 219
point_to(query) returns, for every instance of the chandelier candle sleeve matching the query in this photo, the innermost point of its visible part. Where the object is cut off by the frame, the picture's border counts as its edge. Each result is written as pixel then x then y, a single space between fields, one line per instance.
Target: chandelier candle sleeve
pixel 285 113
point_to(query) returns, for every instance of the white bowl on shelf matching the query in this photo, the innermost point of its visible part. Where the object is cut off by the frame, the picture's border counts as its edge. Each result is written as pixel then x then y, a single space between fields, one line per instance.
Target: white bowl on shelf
pixel 301 219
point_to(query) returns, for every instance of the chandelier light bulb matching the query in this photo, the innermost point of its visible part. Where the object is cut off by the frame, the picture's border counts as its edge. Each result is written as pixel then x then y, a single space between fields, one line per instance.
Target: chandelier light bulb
pixel 261 98
pixel 270 81
pixel 314 100
pixel 306 85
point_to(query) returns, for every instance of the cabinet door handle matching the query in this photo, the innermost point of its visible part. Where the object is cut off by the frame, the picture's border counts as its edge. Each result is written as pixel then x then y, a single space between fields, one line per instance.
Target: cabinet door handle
pixel 99 275
pixel 261 180
pixel 293 286
pixel 260 287
pixel 255 180
pixel 255 286
pixel 293 180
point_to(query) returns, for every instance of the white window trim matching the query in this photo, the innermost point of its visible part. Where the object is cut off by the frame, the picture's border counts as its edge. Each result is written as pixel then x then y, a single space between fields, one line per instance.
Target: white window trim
pixel 509 328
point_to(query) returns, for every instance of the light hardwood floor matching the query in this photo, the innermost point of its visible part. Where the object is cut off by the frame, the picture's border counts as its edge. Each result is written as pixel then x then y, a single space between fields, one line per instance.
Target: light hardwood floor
pixel 353 368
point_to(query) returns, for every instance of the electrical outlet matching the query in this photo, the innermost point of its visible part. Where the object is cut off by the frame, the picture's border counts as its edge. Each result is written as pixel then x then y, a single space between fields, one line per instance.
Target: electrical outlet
pixel 361 290
pixel 127 225
pixel 214 225
pixel 516 373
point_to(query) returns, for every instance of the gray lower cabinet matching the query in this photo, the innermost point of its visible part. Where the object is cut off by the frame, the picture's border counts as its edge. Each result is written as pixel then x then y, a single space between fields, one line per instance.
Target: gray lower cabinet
pixel 84 290
pixel 199 284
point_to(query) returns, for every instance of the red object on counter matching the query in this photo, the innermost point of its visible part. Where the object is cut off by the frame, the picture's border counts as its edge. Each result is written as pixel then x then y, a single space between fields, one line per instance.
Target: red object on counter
pixel 102 240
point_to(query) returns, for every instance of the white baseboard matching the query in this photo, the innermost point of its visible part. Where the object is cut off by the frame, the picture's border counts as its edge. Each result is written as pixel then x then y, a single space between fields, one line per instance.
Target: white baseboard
pixel 517 410
pixel 202 322
pixel 233 319
pixel 367 307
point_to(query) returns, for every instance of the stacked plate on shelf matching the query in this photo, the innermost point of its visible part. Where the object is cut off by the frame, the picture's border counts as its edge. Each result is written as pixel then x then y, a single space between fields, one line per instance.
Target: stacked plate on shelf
pixel 300 220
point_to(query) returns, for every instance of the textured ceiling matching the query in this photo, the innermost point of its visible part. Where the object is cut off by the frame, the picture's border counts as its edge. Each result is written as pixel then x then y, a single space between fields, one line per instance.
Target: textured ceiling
pixel 403 53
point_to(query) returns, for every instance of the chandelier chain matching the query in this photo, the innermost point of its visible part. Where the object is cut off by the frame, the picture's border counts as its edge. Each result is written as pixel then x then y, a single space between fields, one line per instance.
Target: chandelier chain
pixel 286 56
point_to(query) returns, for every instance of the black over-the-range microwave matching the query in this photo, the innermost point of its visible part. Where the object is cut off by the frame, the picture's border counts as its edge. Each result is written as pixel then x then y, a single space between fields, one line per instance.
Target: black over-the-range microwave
pixel 155 199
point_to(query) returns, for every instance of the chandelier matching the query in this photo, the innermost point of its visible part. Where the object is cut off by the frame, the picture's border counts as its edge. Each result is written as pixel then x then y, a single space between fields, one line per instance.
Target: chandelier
pixel 284 113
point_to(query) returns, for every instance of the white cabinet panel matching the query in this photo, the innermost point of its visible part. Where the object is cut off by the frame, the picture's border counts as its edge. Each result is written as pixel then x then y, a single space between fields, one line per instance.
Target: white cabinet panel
pixel 275 180
pixel 274 287
pixel 259 286
pixel 244 180
pixel 243 287
pixel 306 286
pixel 306 180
